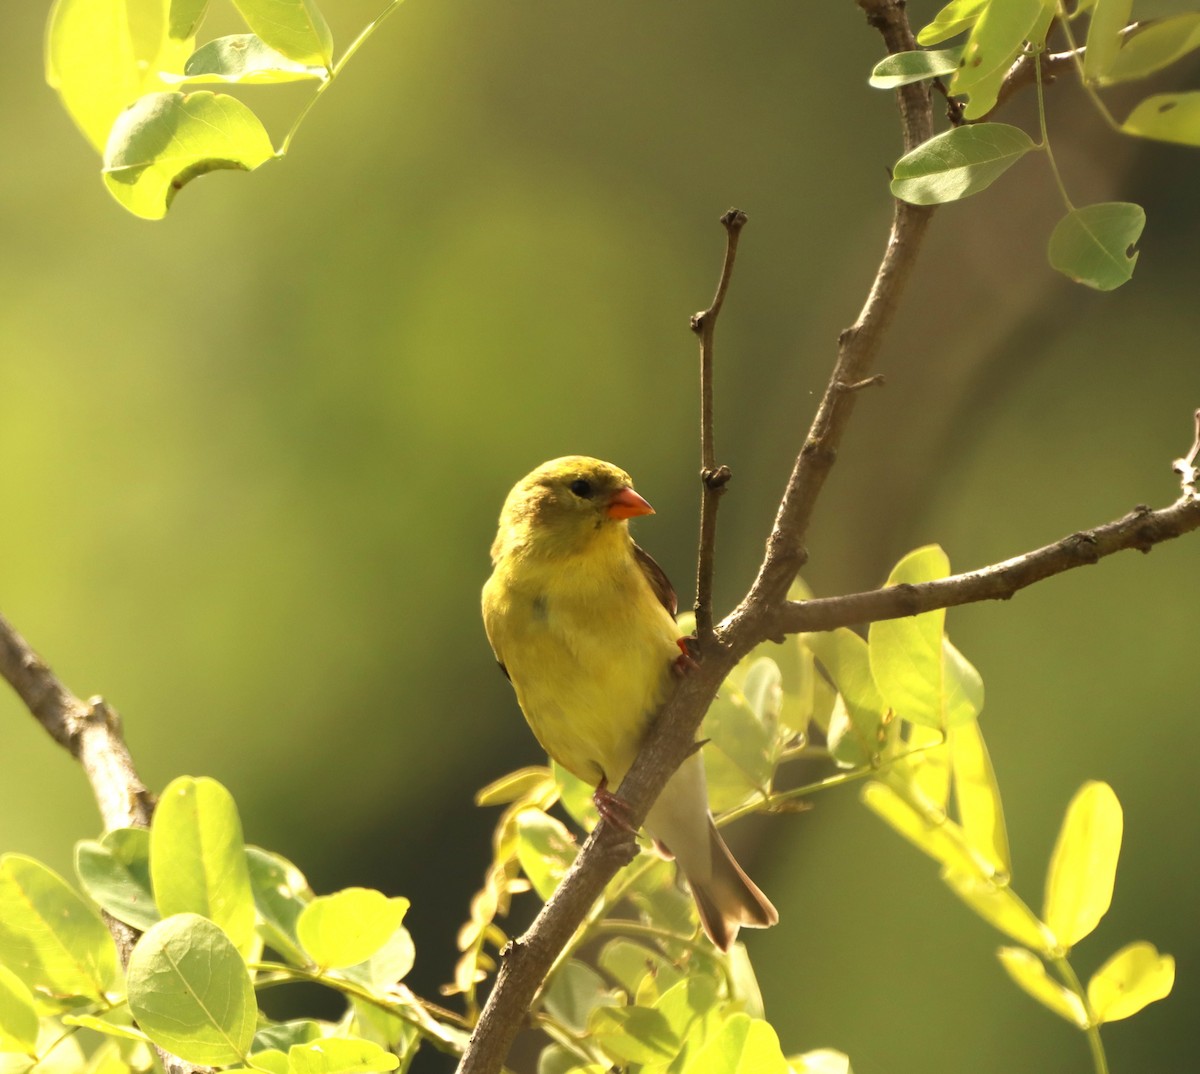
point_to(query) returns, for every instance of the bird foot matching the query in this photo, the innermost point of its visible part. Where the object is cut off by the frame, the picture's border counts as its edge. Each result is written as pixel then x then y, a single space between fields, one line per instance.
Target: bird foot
pixel 684 662
pixel 613 808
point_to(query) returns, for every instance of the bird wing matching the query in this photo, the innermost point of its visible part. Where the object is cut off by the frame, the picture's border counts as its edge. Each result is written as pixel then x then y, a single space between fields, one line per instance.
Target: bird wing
pixel 656 576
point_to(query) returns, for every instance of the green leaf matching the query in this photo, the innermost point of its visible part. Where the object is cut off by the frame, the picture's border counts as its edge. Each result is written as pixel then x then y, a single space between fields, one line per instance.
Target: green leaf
pixel 629 963
pixel 198 858
pixel 18 1016
pixel 185 17
pixel 294 27
pixel 114 1023
pixel 280 1036
pixel 997 904
pixel 739 758
pixel 389 964
pixel 1153 46
pixel 575 796
pixel 1108 19
pixel 958 163
pixel 856 738
pixel 1027 970
pixel 190 991
pixel 693 1011
pixel 574 992
pixel 532 782
pixel 271 1060
pixel 115 872
pixel 977 796
pixel 555 1059
pixel 901 68
pixel 340 1055
pixel 996 39
pixel 937 836
pixel 244 58
pixel 166 140
pixel 102 55
pixel 744 1045
pixel 280 895
pixel 1134 977
pixel 925 766
pixel 49 937
pixel 1167 117
pixel 962 688
pixel 955 18
pixel 633 1034
pixel 1093 245
pixel 545 850
pixel 1083 867
pixel 348 927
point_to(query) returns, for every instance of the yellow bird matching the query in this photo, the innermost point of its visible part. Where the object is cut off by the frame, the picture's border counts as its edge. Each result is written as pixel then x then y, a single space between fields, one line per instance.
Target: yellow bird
pixel 582 621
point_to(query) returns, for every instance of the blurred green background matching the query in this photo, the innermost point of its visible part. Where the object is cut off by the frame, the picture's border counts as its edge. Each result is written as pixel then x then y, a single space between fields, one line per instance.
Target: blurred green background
pixel 253 457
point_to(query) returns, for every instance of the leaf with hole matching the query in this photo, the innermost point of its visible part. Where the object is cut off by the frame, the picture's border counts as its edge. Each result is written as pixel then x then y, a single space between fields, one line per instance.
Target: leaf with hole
pixel 958 163
pixel 1167 117
pixel 166 140
pixel 1095 245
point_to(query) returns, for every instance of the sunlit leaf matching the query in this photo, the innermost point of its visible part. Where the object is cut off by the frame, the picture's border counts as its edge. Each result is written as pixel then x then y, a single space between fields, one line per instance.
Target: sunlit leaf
pixel 955 18
pixel 294 27
pixel 556 1059
pixel 243 58
pixel 996 39
pixel 1134 977
pixel 166 140
pixel 844 656
pixel 633 1034
pixel 958 163
pixel 977 796
pixel 938 837
pixel 198 858
pixel 115 872
pixel 18 1015
pixel 1029 972
pixel 999 906
pixel 185 17
pixel 1108 19
pixel 545 850
pixel 901 68
pixel 744 1045
pixel 821 1061
pixel 49 937
pixel 1083 867
pixel 924 766
pixel 739 756
pixel 389 964
pixel 115 1023
pixel 102 55
pixel 280 1036
pixel 629 963
pixel 348 927
pixel 340 1055
pixel 1154 46
pixel 190 991
pixel 528 782
pixel 1167 117
pixel 1094 245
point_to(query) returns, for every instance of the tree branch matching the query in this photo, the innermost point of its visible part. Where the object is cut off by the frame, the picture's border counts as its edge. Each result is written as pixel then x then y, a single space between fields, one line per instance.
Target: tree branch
pixel 713 477
pixel 673 735
pixel 1142 529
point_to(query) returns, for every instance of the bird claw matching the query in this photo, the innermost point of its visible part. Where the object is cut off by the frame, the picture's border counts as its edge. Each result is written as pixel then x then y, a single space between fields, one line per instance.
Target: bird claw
pixel 684 662
pixel 613 808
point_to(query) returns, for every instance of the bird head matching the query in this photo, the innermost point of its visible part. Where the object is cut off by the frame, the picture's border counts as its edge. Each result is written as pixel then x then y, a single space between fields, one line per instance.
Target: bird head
pixel 563 504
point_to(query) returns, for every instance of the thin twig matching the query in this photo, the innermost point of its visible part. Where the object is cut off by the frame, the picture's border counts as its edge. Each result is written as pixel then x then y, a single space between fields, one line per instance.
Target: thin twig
pixel 713 478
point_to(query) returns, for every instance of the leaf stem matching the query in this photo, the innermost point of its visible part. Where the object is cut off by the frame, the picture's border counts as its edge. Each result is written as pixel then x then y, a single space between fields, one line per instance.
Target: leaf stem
pixel 354 46
pixel 1041 106
pixel 1067 972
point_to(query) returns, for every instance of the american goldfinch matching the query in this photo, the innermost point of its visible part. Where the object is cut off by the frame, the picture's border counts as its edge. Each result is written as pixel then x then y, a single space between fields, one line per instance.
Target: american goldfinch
pixel 582 621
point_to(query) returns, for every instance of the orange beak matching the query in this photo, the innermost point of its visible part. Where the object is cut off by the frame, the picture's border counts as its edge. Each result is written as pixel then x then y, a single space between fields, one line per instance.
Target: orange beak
pixel 625 503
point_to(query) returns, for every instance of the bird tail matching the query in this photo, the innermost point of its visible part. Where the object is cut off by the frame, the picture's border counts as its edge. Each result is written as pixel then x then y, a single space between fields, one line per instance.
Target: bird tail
pixel 727 898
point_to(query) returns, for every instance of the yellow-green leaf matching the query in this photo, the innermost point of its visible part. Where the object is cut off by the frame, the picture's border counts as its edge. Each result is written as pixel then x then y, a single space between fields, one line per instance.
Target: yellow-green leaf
pixel 936 835
pixel 1029 972
pixel 532 782
pixel 243 58
pixel 977 796
pixel 545 850
pixel 1083 867
pixel 198 858
pixel 1000 907
pixel 1167 117
pixel 1108 19
pixel 166 140
pixel 955 18
pixel 18 1016
pixel 1135 976
pixel 1155 45
pixel 348 927
pixel 956 164
pixel 294 27
pixel 744 1045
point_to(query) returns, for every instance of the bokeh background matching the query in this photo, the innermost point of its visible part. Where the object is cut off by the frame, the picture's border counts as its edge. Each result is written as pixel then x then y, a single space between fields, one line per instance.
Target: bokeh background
pixel 252 458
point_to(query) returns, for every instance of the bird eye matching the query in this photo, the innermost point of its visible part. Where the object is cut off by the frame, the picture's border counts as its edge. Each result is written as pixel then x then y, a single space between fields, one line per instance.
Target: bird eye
pixel 581 487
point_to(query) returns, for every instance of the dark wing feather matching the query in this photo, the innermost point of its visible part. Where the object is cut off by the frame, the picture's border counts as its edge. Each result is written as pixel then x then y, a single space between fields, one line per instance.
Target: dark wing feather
pixel 659 582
